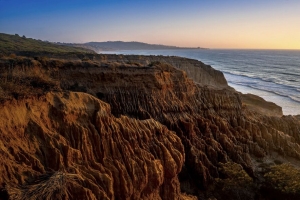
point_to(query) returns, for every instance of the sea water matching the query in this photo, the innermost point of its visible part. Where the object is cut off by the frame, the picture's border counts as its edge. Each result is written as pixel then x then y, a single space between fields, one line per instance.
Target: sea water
pixel 271 74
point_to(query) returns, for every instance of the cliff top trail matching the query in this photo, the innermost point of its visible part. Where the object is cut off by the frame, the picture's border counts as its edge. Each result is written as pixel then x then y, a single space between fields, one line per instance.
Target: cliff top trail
pixel 92 126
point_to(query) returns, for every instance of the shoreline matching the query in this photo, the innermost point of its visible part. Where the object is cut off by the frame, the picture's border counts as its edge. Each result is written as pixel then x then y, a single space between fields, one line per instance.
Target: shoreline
pixel 288 106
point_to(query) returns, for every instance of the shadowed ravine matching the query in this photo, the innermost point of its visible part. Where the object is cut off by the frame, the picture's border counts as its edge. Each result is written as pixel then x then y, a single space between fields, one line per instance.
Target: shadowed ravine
pixel 136 127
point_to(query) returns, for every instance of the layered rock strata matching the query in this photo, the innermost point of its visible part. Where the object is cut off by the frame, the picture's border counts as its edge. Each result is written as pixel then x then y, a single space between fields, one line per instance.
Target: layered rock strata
pixel 212 123
pixel 75 133
pixel 161 124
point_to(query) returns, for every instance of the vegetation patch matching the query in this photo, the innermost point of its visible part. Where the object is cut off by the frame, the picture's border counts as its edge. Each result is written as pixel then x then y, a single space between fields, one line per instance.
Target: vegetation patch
pixel 234 183
pixel 283 181
pixel 15 44
pixel 49 186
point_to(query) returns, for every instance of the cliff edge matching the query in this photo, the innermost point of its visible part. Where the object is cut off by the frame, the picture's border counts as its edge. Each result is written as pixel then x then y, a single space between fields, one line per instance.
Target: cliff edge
pixel 135 127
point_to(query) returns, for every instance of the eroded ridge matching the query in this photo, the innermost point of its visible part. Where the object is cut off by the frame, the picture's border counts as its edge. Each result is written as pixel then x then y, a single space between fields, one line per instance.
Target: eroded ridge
pixel 130 127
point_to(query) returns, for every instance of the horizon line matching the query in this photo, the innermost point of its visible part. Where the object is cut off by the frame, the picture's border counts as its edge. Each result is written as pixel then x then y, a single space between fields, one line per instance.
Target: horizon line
pixel 184 47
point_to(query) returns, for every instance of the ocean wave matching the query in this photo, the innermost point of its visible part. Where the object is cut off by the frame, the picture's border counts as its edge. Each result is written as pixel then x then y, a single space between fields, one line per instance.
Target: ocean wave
pixel 297 99
pixel 291 97
pixel 254 79
pixel 291 74
pixel 292 80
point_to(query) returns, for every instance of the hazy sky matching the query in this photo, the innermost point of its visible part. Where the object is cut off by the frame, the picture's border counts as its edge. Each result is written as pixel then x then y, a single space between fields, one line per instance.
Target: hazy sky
pixel 267 24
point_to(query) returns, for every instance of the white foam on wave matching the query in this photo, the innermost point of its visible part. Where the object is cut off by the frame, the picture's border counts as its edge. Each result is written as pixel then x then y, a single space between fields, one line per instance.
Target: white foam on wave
pixel 259 84
pixel 289 106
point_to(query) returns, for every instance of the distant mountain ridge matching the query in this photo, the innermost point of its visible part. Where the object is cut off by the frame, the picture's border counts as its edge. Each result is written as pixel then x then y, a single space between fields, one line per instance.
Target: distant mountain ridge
pixel 120 45
pixel 17 44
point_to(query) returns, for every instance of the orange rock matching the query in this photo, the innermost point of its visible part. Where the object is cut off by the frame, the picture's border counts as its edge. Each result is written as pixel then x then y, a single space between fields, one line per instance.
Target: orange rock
pixel 117 158
pixel 158 135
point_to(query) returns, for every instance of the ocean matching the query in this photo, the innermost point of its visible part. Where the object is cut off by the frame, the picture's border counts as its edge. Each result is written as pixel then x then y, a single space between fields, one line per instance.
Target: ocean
pixel 271 74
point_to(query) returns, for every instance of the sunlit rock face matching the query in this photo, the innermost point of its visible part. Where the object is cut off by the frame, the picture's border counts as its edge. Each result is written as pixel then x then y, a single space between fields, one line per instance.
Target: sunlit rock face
pixel 109 157
pixel 134 127
pixel 212 122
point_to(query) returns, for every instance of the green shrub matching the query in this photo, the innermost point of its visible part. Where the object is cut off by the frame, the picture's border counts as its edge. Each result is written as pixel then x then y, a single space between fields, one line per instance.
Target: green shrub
pixel 234 183
pixel 155 63
pixel 285 178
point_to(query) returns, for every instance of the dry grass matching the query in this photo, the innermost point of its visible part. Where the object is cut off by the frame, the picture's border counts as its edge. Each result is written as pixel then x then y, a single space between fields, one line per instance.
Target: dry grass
pixel 22 76
pixel 52 186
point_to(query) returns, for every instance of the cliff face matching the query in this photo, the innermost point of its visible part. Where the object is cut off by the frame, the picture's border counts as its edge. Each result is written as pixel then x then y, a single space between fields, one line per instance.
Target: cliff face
pixel 212 123
pixel 202 74
pixel 76 134
pixel 158 135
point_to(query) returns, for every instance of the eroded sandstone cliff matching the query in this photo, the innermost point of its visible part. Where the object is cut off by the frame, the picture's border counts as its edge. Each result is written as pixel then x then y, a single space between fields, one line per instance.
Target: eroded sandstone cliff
pixel 158 135
pixel 75 133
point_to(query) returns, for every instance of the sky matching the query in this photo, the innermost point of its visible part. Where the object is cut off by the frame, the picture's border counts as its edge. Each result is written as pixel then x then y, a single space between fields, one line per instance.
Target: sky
pixel 237 24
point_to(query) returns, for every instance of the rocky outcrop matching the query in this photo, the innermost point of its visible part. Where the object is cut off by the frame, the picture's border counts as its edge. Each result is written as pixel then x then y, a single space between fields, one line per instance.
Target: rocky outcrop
pixel 196 70
pixel 158 135
pixel 75 133
pixel 261 106
pixel 212 123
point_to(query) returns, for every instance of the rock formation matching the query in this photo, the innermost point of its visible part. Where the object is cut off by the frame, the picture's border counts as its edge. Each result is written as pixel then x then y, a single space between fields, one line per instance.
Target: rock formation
pixel 131 127
pixel 76 134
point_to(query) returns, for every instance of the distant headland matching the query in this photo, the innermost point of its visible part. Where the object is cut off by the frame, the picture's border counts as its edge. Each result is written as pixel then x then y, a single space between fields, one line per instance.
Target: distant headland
pixel 121 45
pixel 16 43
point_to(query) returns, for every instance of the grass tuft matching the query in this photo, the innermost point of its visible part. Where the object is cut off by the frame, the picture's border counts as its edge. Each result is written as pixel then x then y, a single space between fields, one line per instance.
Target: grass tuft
pixel 50 186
